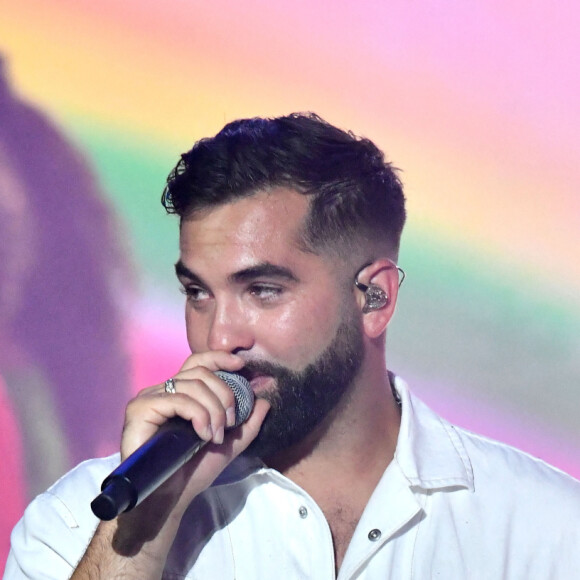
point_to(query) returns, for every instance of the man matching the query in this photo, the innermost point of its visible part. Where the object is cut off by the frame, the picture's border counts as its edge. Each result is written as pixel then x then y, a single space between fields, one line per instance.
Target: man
pixel 289 238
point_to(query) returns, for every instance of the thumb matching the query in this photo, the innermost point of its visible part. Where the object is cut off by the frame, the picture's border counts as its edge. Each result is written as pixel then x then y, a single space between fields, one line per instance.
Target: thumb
pixel 248 431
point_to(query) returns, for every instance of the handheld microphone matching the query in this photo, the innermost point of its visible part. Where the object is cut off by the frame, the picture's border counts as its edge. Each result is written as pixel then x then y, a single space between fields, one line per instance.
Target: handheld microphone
pixel 173 445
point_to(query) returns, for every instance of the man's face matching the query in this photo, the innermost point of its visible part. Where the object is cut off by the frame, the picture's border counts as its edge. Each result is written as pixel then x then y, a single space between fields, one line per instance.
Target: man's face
pixel 288 313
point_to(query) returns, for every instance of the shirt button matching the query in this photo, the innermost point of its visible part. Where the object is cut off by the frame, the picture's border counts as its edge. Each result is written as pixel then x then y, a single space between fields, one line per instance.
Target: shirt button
pixel 303 512
pixel 374 535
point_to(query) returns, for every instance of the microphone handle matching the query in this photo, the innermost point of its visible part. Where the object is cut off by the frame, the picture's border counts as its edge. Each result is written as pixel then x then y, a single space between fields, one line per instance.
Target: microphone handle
pixel 147 468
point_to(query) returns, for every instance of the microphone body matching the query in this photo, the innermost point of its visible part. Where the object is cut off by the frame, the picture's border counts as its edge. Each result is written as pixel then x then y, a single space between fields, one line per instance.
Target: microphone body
pixel 173 445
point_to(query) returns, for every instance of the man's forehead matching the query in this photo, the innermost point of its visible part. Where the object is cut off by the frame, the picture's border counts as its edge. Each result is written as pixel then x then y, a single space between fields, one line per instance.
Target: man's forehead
pixel 271 217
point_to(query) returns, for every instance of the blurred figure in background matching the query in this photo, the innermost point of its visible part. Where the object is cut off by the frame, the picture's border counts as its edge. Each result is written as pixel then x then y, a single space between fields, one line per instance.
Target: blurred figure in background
pixel 63 367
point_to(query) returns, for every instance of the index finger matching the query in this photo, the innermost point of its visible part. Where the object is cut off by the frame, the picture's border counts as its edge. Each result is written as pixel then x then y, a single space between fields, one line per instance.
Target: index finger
pixel 213 360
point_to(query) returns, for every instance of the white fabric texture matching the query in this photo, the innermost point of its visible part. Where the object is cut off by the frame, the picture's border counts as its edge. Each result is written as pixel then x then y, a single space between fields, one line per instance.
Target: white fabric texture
pixel 450 505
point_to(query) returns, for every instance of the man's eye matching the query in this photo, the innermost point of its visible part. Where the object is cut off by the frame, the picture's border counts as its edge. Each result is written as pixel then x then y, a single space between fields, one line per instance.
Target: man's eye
pixel 195 293
pixel 266 292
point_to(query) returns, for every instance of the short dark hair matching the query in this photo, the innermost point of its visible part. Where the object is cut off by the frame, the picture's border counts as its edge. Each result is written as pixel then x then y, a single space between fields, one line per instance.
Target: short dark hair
pixel 355 194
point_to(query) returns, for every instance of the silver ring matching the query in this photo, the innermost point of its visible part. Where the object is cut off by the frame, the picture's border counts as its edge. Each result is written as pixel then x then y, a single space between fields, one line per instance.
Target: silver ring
pixel 170 386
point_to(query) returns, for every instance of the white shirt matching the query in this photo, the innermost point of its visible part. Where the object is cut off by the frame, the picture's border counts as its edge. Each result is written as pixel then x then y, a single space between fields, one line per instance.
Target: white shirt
pixel 451 505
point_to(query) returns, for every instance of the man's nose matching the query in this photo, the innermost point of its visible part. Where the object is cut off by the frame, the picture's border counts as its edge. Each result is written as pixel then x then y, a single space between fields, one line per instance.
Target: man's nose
pixel 229 330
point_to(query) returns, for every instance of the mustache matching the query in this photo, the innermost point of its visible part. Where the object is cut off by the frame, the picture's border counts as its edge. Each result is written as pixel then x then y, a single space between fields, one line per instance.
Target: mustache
pixel 256 368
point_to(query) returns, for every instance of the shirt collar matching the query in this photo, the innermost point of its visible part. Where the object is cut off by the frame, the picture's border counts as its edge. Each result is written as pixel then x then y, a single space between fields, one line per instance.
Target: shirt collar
pixel 429 451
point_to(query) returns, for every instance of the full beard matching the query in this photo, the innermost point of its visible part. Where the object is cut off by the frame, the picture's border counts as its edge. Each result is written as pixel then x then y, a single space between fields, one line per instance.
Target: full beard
pixel 301 400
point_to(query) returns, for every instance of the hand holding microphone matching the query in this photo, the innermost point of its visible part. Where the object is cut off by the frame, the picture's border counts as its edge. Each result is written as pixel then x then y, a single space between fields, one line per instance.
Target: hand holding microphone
pixel 160 457
pixel 176 441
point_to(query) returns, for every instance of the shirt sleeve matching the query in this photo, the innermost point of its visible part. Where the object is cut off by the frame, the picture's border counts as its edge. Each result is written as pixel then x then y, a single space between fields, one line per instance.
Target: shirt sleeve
pixel 45 543
pixel 50 539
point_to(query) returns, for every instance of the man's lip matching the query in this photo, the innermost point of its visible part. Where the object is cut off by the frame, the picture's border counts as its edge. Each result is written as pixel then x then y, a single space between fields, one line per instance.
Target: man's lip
pixel 260 382
pixel 250 374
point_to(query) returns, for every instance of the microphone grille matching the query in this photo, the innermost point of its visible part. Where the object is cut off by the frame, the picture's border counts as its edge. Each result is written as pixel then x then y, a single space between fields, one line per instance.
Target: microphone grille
pixel 242 392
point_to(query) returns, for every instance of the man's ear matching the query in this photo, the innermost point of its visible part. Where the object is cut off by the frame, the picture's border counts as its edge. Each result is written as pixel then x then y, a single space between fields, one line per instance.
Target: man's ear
pixel 377 288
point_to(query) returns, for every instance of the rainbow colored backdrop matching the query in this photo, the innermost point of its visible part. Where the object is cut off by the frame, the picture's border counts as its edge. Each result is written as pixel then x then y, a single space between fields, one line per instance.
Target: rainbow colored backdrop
pixel 477 102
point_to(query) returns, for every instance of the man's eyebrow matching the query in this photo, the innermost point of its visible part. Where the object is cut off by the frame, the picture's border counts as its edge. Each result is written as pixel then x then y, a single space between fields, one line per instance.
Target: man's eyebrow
pixel 182 271
pixel 265 269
